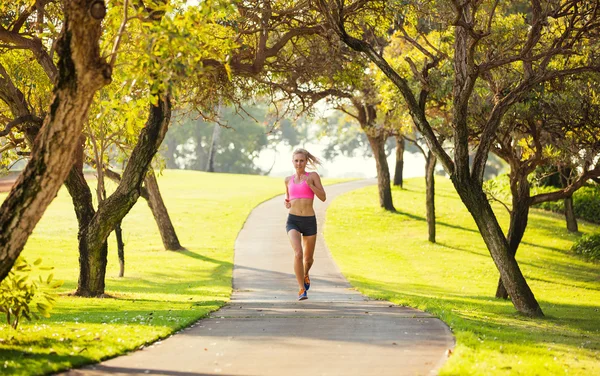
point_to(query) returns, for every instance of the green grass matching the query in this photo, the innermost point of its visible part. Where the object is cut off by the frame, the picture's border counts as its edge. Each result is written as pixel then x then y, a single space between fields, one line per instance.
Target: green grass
pixel 161 292
pixel 387 256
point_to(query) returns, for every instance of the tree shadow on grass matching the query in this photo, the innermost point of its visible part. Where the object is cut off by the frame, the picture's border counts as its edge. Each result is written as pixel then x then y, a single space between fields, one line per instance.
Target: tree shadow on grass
pixel 479 254
pixel 496 319
pixel 16 361
pixel 438 222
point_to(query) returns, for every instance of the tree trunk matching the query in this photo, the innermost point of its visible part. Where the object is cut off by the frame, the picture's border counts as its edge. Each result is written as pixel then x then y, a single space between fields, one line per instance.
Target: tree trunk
pixel 430 194
pixel 81 196
pixel 383 172
pixel 81 73
pixel 112 210
pixel 570 218
pixel 570 215
pixel 476 202
pixel 120 249
pixel 520 189
pixel 160 213
pixel 399 171
pixel 210 165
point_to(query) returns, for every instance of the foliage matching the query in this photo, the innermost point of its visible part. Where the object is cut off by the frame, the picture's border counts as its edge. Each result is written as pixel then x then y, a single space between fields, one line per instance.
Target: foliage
pixel 588 247
pixel 385 256
pixel 19 293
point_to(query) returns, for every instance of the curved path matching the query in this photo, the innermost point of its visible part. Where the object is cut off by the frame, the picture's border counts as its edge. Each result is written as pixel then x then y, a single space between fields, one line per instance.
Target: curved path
pixel 264 330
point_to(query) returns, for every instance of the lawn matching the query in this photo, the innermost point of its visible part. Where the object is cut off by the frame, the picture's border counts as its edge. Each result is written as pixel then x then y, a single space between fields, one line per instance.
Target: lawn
pixel 161 292
pixel 387 256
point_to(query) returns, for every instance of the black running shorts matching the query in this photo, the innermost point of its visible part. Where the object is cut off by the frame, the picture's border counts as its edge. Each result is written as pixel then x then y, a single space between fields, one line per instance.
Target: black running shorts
pixel 307 226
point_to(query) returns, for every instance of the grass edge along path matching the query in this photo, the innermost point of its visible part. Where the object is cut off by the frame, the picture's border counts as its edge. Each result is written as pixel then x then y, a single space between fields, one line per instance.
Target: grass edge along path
pixel 387 256
pixel 162 291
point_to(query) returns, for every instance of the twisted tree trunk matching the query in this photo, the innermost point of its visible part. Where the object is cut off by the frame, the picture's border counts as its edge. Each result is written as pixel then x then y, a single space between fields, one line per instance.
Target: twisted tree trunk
pixel 82 72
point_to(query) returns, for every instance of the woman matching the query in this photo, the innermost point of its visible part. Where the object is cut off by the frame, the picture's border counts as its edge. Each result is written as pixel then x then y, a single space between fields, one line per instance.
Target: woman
pixel 301 226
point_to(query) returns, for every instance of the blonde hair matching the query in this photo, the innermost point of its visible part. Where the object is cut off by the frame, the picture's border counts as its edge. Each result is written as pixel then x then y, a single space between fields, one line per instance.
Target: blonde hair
pixel 311 160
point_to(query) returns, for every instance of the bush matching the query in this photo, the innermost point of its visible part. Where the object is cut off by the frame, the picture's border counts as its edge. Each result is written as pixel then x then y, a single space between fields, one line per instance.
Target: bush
pixel 19 293
pixel 588 247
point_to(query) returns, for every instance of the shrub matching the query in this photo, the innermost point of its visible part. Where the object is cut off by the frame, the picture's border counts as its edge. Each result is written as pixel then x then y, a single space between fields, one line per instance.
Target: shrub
pixel 588 247
pixel 19 293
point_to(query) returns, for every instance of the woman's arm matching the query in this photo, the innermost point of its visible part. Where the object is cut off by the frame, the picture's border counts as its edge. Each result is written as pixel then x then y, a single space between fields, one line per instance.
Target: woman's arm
pixel 314 183
pixel 286 201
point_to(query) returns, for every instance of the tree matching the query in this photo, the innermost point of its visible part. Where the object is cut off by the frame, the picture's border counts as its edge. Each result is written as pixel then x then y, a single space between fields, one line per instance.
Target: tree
pixel 540 42
pixel 553 127
pixel 81 73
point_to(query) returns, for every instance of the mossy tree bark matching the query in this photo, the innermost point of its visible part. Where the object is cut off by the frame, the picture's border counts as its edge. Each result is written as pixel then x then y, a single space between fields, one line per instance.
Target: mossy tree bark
pixel 82 72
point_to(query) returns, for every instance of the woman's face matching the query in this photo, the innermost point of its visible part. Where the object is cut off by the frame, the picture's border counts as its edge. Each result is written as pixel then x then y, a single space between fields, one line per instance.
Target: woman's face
pixel 299 161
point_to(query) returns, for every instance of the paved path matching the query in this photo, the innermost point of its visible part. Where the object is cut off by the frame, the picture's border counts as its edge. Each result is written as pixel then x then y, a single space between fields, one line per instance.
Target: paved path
pixel 264 330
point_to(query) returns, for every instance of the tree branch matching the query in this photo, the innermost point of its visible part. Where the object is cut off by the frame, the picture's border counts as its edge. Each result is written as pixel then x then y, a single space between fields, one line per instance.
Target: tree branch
pixel 20 120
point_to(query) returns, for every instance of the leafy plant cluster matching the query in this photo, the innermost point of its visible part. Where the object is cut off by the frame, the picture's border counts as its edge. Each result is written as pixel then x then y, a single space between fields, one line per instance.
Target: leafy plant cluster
pixel 20 293
pixel 588 247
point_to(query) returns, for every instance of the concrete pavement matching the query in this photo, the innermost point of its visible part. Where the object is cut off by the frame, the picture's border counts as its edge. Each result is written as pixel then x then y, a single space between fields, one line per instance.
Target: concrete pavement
pixel 264 330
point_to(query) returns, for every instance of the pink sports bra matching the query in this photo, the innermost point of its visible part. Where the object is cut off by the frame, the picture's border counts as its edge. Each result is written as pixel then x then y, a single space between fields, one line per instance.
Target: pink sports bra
pixel 301 190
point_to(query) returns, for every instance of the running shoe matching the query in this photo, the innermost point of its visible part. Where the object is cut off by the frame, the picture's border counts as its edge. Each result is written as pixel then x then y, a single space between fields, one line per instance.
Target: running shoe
pixel 306 283
pixel 302 294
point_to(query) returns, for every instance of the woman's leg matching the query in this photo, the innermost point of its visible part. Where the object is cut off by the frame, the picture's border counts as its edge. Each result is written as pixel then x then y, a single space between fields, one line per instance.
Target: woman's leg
pixel 296 242
pixel 309 251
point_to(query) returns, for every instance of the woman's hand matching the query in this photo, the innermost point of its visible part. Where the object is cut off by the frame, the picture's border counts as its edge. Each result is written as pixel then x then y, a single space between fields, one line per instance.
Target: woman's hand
pixel 287 203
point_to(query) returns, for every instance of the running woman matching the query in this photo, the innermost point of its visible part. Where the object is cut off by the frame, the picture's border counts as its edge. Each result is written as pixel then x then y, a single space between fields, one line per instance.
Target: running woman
pixel 301 226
